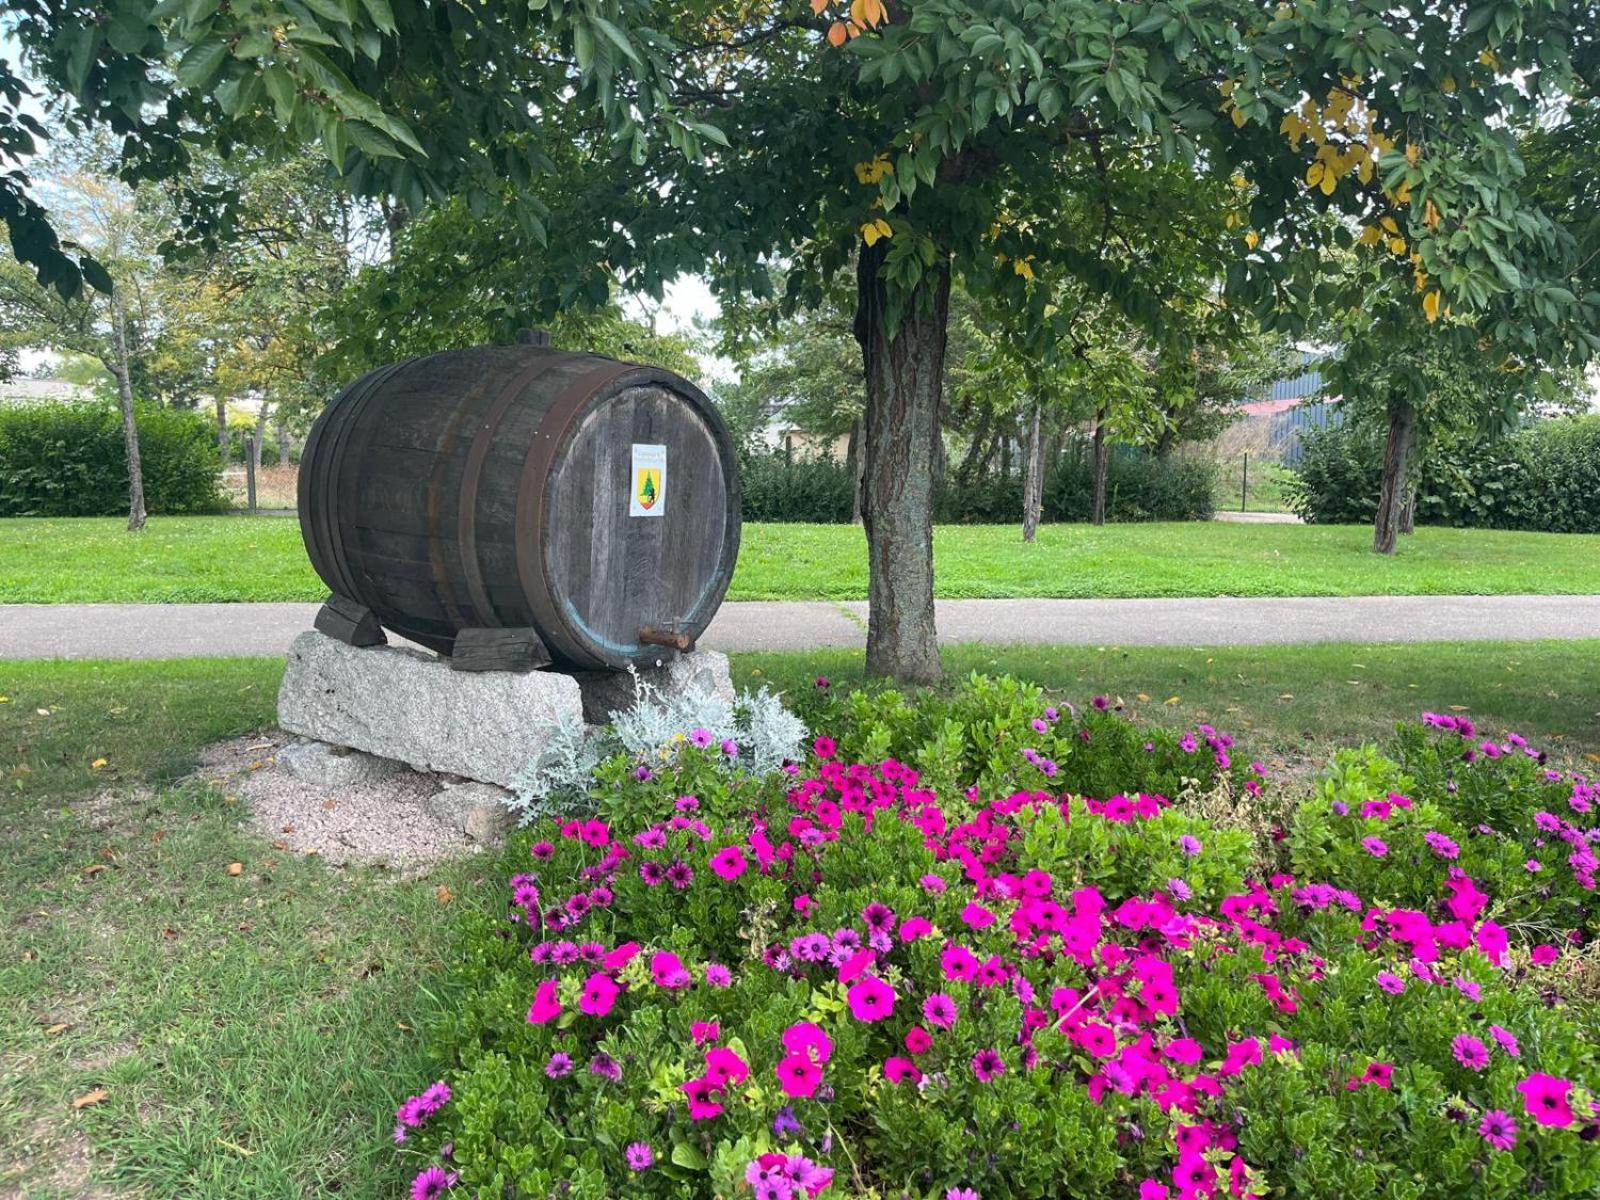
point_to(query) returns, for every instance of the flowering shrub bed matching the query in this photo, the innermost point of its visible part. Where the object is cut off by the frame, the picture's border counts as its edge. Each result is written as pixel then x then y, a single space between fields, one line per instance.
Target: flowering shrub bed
pixel 977 947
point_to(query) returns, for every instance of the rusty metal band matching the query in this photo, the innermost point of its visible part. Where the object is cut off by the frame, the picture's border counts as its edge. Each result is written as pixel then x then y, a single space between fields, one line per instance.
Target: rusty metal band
pixel 477 455
pixel 534 484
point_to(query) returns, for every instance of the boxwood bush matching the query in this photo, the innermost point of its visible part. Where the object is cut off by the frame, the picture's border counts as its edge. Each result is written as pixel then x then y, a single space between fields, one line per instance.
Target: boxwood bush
pixel 68 460
pixel 1543 478
pixel 1139 487
pixel 979 946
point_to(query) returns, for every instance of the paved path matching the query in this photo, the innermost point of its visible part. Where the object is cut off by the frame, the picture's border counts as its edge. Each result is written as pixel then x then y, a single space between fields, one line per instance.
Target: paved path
pixel 181 630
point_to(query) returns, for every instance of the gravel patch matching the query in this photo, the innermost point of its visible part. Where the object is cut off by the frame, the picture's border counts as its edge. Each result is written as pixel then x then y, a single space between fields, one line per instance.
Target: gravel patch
pixel 380 821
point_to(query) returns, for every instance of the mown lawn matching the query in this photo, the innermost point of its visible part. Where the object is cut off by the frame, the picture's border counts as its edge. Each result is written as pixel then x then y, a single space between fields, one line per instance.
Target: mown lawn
pixel 251 1033
pixel 180 559
pixel 225 1035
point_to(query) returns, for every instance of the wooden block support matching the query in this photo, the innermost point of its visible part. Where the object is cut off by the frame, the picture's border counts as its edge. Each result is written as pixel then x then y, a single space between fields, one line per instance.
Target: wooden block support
pixel 481 649
pixel 350 622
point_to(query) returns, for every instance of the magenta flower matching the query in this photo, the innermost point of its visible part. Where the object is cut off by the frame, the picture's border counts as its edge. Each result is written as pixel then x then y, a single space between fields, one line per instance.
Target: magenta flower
pixel 559 1065
pixel 1506 1039
pixel 1470 1052
pixel 1545 1098
pixel 987 1065
pixel 724 1067
pixel 599 994
pixel 1390 982
pixel 1189 845
pixel 718 976
pixel 809 1041
pixel 939 1009
pixel 729 863
pixel 871 999
pixel 798 1076
pixel 1375 846
pixel 545 1007
pixel 432 1182
pixel 1498 1128
pixel 639 1156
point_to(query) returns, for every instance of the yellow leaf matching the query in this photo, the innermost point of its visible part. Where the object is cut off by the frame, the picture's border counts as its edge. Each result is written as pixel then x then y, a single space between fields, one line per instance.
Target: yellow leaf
pixel 1329 182
pixel 1171 700
pixel 1370 235
pixel 1449 84
pixel 1238 117
pixel 97 764
pixel 1413 152
pixel 817 6
pixel 1397 245
pixel 870 234
pixel 235 868
pixel 1488 59
pixel 837 34
pixel 1430 305
pixel 1389 224
pixel 443 894
pixel 1252 239
pixel 1431 215
pixel 1315 172
pixel 88 1098
pixel 1143 697
pixel 5 699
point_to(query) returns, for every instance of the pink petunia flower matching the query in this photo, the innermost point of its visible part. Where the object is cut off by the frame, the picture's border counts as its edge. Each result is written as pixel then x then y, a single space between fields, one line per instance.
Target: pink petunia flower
pixel 545 1007
pixel 599 994
pixel 1545 1098
pixel 871 999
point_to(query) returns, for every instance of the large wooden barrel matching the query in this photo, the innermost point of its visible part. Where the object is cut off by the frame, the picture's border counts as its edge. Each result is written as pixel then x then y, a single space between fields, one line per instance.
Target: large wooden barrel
pixel 520 487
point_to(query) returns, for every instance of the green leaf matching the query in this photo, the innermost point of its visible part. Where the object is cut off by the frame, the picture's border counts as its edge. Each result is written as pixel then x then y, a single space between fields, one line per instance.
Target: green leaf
pixel 615 36
pixel 95 275
pixel 380 12
pixel 689 1157
pixel 200 63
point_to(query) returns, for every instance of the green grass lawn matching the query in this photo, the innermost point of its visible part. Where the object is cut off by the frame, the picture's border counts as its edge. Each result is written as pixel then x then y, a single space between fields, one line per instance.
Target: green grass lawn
pixel 251 1033
pixel 179 559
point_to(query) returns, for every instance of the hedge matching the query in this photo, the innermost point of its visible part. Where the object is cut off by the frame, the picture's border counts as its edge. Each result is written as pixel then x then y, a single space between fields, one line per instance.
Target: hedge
pixel 1139 487
pixel 67 460
pixel 1543 478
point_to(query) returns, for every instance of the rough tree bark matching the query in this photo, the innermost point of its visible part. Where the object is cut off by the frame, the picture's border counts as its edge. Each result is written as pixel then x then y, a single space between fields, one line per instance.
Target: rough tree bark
pixel 1097 515
pixel 904 373
pixel 1033 475
pixel 130 425
pixel 223 445
pixel 1391 491
pixel 1408 510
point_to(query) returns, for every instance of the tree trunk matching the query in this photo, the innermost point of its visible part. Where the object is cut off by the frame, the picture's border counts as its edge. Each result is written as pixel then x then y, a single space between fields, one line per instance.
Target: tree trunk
pixel 1391 492
pixel 224 444
pixel 856 461
pixel 130 424
pixel 1097 515
pixel 969 461
pixel 1408 510
pixel 1033 476
pixel 280 426
pixel 904 372
pixel 254 450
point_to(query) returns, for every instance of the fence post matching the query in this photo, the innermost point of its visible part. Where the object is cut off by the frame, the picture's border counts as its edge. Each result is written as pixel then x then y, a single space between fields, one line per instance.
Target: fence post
pixel 1244 484
pixel 250 468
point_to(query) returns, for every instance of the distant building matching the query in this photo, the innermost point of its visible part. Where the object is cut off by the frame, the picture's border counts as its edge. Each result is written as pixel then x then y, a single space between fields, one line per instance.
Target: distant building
pixel 32 390
pixel 1291 406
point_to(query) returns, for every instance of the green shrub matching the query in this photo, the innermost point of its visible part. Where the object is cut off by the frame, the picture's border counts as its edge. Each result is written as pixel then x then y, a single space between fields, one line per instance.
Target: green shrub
pixel 1542 478
pixel 68 460
pixel 815 490
pixel 1139 487
pixel 923 964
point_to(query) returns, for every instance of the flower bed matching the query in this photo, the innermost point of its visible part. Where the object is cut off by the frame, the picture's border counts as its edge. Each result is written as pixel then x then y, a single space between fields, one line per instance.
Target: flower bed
pixel 1029 965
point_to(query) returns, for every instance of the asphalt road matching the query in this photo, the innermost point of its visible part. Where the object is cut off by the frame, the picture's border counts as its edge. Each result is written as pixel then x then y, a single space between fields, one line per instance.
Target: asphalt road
pixel 184 630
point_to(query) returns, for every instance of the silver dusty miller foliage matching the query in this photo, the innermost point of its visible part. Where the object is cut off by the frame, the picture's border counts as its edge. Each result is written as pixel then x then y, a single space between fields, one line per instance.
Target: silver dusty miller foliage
pixel 766 733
